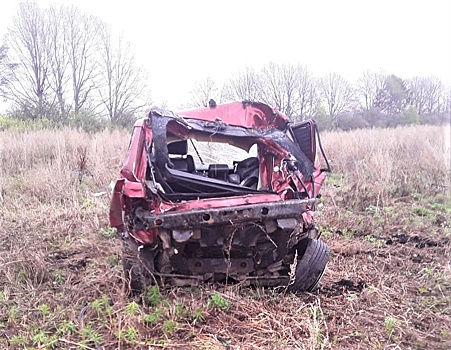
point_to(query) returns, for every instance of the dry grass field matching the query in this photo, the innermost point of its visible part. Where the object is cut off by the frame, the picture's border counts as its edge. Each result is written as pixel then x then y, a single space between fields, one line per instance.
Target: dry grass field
pixel 386 215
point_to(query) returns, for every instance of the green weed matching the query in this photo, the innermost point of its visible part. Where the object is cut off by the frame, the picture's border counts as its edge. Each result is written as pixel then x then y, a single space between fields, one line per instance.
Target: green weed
pixel 113 260
pixel 40 338
pixel 390 324
pixel 152 296
pixel 198 315
pixel 90 335
pixel 102 305
pixel 18 340
pixel 108 232
pixel 422 290
pixel 422 212
pixel 168 327
pixel 13 314
pixel 130 335
pixel 58 277
pixel 67 327
pixel 378 243
pixel 181 310
pixel 154 317
pixel 217 301
pixel 44 309
pixel 132 309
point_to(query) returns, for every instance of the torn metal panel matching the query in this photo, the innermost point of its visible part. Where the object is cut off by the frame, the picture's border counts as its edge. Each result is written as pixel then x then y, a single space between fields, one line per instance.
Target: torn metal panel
pixel 245 114
pixel 275 141
pixel 226 215
pixel 246 220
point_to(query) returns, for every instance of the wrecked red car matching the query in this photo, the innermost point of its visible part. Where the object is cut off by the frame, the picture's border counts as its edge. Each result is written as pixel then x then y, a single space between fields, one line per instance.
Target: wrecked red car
pixel 224 193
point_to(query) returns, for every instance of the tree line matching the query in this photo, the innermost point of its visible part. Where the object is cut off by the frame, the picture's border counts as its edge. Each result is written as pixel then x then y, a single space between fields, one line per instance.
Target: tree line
pixel 62 64
pixel 376 99
pixel 66 66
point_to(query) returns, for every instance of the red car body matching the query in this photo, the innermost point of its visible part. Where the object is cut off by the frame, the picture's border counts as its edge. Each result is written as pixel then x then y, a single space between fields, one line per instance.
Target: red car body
pixel 180 216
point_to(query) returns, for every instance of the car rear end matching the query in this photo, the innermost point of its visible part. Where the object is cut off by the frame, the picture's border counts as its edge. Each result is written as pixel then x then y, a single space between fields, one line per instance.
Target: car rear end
pixel 188 218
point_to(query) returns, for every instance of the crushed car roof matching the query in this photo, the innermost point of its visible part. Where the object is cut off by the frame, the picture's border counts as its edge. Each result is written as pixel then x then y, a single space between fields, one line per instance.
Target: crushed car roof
pixel 246 114
pixel 248 121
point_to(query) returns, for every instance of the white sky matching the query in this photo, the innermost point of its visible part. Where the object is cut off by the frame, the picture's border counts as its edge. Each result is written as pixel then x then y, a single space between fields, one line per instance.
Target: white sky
pixel 179 42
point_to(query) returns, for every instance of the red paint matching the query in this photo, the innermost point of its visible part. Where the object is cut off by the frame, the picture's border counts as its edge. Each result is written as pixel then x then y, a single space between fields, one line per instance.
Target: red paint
pixel 250 115
pixel 117 206
pixel 212 203
pixel 145 237
pixel 273 176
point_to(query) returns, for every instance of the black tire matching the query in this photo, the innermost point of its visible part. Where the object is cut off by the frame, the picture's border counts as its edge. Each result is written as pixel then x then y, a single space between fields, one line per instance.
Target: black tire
pixel 311 264
pixel 138 265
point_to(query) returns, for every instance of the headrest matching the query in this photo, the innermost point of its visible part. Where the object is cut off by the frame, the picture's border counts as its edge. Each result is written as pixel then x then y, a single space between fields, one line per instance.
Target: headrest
pixel 178 147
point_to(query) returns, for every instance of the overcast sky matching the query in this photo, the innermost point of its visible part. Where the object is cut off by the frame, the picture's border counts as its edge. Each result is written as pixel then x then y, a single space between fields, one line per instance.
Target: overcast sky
pixel 179 42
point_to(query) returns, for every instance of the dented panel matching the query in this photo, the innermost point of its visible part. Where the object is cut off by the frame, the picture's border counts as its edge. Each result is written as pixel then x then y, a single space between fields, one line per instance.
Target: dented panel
pixel 195 221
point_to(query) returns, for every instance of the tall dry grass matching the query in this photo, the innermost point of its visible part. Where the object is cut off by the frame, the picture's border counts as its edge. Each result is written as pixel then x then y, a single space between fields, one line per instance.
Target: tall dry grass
pixel 59 151
pixel 53 164
pixel 369 167
pixel 373 166
pixel 55 190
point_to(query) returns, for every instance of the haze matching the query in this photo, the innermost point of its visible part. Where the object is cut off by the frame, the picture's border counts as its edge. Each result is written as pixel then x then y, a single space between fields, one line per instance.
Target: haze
pixel 181 42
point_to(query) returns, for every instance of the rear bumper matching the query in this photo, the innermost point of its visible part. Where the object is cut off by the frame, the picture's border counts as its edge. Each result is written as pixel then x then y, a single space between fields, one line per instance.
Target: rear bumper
pixel 229 215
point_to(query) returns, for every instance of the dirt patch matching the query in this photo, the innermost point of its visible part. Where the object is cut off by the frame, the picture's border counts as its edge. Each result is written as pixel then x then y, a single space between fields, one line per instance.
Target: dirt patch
pixel 418 241
pixel 342 287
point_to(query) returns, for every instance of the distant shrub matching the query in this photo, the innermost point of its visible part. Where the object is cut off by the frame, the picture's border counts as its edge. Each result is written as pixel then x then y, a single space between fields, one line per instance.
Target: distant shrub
pixel 86 122
pixel 411 116
pixel 352 121
pixel 436 118
pixel 323 120
pixel 80 121
pixel 25 125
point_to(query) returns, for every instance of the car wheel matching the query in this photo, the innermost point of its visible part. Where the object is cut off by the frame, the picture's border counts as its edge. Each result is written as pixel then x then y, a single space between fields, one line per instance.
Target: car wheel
pixel 311 264
pixel 138 265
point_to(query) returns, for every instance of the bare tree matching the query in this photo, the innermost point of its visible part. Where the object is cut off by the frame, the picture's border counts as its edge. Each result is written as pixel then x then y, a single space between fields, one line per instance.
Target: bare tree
pixel 425 94
pixel 280 86
pixel 291 89
pixel 446 97
pixel 368 86
pixel 57 55
pixel 63 57
pixel 202 92
pixel 307 91
pixel 434 101
pixel 124 82
pixel 337 94
pixel 28 43
pixel 83 43
pixel 246 85
pixel 6 70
